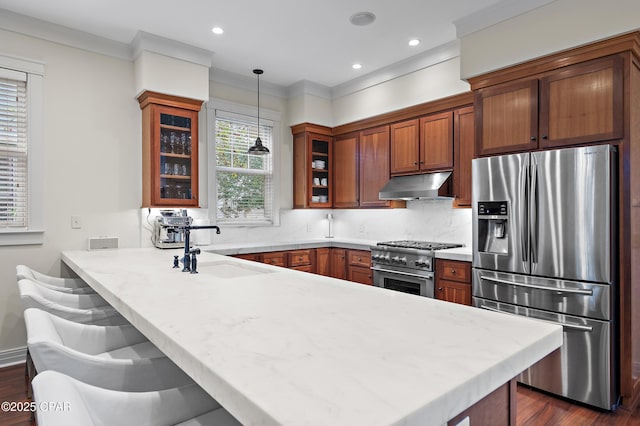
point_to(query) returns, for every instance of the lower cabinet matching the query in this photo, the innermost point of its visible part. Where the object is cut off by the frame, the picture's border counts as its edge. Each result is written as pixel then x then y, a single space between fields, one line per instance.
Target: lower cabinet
pixel 275 258
pixel 453 281
pixel 359 267
pixel 323 261
pixel 346 264
pixel 338 263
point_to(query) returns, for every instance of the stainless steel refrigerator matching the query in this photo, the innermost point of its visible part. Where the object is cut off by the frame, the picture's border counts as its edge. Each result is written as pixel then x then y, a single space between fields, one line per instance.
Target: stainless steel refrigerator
pixel 544 246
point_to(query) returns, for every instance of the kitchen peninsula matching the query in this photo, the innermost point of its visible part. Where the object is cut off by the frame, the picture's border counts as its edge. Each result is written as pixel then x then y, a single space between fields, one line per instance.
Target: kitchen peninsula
pixel 278 346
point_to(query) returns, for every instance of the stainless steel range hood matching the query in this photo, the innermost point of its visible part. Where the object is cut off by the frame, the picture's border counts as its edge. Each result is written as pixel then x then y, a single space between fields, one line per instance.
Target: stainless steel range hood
pixel 414 187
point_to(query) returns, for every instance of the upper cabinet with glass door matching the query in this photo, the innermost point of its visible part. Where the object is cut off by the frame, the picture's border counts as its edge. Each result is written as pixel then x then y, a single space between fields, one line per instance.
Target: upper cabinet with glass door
pixel 169 150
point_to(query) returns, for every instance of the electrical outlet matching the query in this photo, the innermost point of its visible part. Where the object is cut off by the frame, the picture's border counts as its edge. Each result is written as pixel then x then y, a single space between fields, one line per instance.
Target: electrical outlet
pixel 75 222
pixel 308 227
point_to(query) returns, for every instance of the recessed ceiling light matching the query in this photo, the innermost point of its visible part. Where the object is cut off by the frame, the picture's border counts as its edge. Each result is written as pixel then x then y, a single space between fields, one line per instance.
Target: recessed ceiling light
pixel 414 42
pixel 362 18
pixel 217 30
pixel 356 66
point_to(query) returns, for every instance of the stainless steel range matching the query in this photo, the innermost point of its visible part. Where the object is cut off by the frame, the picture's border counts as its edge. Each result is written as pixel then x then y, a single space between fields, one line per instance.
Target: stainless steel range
pixel 406 265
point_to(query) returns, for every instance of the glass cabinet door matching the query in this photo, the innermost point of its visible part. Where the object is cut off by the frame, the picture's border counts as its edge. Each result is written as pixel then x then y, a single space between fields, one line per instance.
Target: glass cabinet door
pixel 169 150
pixel 175 157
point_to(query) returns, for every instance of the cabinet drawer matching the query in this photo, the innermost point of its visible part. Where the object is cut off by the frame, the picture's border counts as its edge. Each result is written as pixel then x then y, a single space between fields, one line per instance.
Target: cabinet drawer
pixel 360 274
pixel 359 258
pixel 299 257
pixel 303 268
pixel 276 258
pixel 248 256
pixel 453 270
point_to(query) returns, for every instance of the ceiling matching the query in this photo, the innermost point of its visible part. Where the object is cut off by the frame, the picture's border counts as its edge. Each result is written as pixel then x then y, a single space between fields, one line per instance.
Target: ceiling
pixel 292 40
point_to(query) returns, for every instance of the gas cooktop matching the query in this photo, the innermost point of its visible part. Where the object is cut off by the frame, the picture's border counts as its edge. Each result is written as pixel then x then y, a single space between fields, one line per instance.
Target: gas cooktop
pixel 420 245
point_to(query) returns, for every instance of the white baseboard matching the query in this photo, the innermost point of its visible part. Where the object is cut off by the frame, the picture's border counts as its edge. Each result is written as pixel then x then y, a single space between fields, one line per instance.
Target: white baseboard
pixel 13 356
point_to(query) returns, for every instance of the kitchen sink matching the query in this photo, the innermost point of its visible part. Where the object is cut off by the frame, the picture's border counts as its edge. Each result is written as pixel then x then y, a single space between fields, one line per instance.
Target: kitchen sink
pixel 226 269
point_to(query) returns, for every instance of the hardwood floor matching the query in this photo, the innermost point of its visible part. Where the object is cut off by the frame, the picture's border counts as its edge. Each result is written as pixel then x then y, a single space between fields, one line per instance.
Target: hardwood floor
pixel 534 408
pixel 13 388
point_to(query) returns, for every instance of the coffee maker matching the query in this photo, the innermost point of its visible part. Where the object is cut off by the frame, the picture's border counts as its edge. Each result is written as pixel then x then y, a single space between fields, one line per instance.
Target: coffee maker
pixel 168 229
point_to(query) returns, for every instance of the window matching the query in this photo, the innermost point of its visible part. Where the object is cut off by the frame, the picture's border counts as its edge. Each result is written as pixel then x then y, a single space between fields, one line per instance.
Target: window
pixel 21 155
pixel 244 184
pixel 13 152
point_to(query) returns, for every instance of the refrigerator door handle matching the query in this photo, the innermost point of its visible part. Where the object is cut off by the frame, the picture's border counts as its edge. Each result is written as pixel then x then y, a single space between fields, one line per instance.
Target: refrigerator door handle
pixel 523 211
pixel 538 287
pixel 563 324
pixel 534 208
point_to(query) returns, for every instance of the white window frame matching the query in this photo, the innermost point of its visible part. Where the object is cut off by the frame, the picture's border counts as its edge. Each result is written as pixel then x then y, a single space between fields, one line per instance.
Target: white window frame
pixel 34 232
pixel 230 108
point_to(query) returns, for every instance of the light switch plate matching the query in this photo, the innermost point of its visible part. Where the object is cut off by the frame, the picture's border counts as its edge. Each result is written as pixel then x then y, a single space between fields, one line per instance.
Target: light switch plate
pixel 76 223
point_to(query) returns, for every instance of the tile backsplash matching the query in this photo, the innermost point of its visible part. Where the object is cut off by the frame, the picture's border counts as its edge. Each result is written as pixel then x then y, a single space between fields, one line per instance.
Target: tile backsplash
pixel 433 220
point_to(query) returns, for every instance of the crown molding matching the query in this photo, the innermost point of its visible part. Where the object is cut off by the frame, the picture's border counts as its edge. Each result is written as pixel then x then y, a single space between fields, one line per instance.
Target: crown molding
pixel 492 15
pixel 228 78
pixel 415 63
pixel 48 31
pixel 148 42
pixel 306 87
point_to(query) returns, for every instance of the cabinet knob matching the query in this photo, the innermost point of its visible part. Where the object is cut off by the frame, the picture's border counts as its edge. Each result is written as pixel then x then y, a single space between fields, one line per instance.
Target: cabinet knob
pixel 439 288
pixel 422 162
pixel 453 271
pixel 545 137
pixel 415 163
pixel 533 138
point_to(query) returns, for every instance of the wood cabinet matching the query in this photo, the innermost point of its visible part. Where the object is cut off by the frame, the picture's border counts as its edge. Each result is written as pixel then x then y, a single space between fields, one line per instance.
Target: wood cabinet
pixel 436 142
pixel 464 151
pixel 359 267
pixel 338 263
pixel 346 264
pixel 361 169
pixel 345 171
pixel 169 150
pixel 578 104
pixel 322 264
pixel 312 166
pixel 255 257
pixel 453 281
pixel 373 165
pixel 275 258
pixel 422 145
pixel 405 147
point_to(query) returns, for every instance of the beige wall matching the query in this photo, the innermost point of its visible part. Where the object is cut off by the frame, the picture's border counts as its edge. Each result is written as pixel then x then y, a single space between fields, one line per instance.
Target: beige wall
pixel 427 84
pixel 557 26
pixel 157 72
pixel 92 162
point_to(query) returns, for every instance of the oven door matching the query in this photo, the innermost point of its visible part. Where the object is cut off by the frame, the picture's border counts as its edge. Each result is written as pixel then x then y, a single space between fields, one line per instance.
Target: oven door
pixel 420 284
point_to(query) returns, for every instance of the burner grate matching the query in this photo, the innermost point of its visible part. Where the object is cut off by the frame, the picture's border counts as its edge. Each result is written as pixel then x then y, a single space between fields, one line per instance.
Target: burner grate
pixel 422 245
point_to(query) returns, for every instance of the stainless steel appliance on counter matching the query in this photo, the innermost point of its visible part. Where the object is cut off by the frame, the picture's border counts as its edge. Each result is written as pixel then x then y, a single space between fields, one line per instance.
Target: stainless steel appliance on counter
pixel 544 246
pixel 406 266
pixel 168 229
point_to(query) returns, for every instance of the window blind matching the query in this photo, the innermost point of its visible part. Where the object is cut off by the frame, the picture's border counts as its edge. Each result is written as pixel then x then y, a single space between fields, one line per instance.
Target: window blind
pixel 244 182
pixel 13 151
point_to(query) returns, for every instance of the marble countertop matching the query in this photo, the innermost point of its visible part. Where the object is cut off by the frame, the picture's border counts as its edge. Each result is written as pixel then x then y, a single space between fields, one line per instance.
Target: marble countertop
pixel 281 347
pixel 461 253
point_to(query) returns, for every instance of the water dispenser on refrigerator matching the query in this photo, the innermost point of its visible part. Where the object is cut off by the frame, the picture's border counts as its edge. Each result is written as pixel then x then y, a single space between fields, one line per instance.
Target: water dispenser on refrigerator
pixel 493 221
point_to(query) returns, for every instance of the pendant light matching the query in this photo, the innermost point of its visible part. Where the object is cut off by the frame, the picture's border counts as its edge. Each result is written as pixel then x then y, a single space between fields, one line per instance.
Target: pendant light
pixel 258 148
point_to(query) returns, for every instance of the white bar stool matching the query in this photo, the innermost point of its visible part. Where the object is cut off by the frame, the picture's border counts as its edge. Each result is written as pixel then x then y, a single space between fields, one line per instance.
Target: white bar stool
pixel 110 357
pixel 76 403
pixel 23 271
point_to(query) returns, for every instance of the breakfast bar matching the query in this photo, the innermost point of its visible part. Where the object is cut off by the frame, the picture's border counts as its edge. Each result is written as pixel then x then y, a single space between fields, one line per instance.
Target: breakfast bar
pixel 282 347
